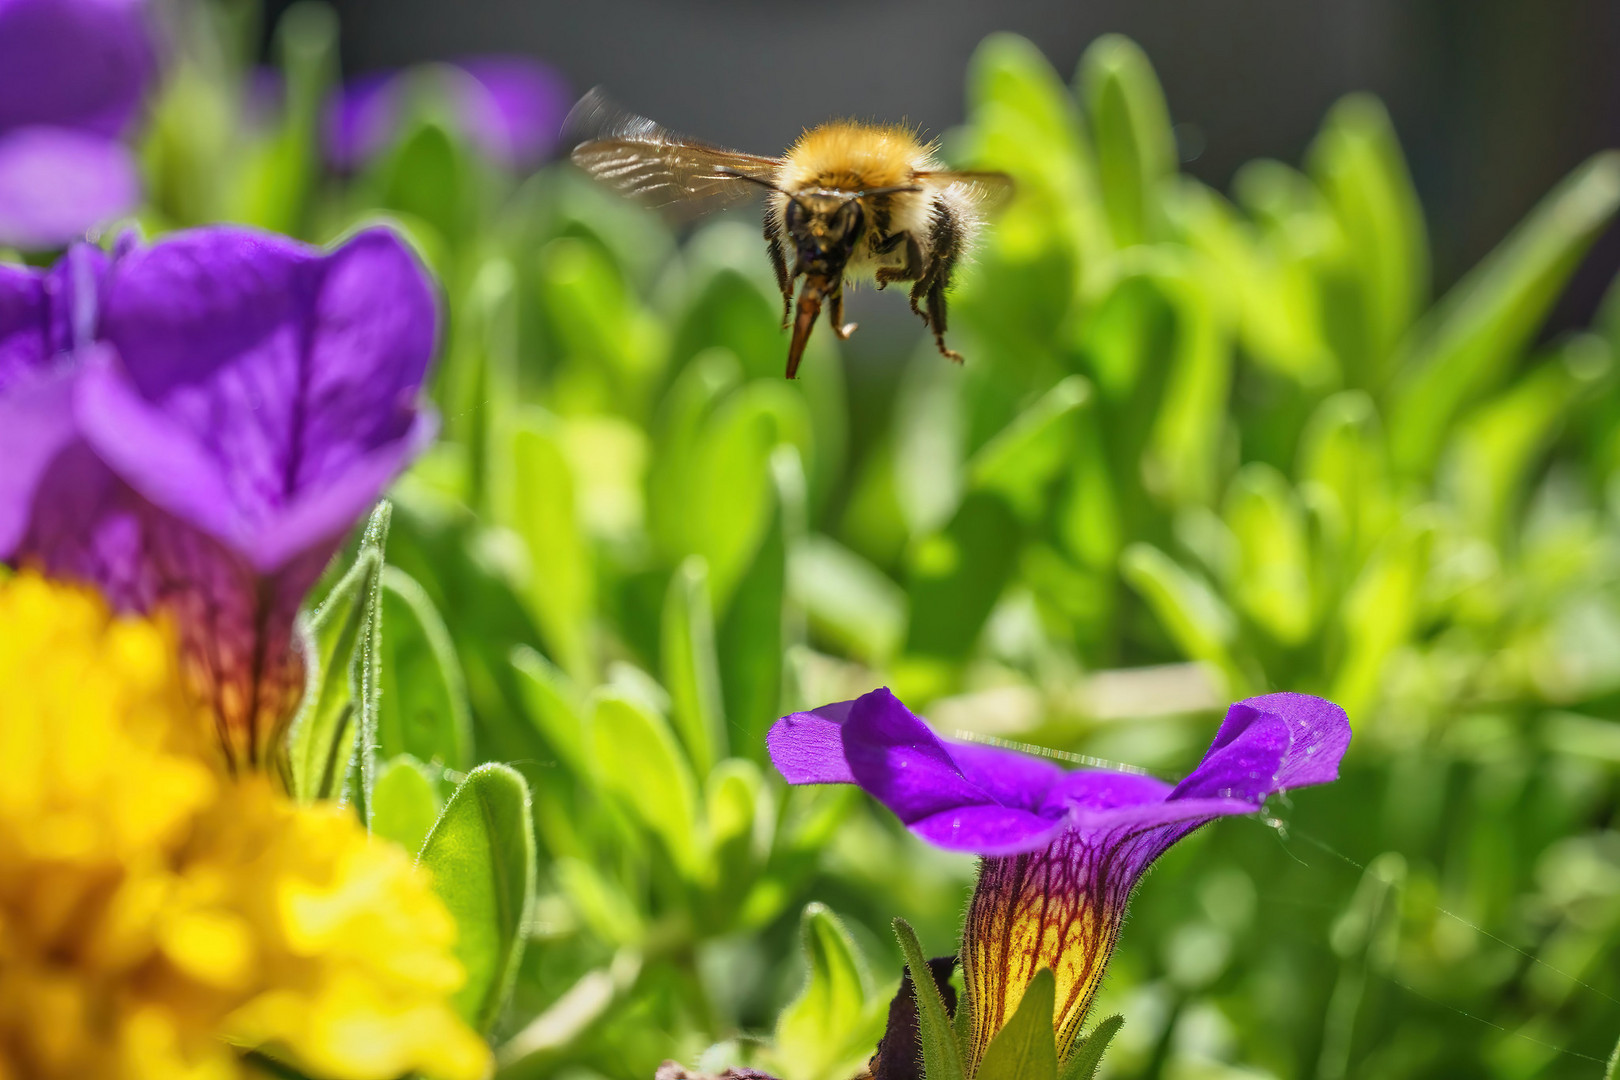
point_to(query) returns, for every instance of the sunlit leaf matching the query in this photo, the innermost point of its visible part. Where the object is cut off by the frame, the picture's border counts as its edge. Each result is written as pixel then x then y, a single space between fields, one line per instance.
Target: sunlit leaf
pixel 1466 345
pixel 639 761
pixel 815 1035
pixel 481 855
pixel 405 802
pixel 691 669
pixel 1130 128
pixel 1026 1046
pixel 422 709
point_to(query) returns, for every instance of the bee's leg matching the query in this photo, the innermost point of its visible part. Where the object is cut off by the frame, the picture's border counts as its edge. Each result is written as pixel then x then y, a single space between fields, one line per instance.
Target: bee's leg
pixel 835 314
pixel 945 247
pixel 913 265
pixel 784 281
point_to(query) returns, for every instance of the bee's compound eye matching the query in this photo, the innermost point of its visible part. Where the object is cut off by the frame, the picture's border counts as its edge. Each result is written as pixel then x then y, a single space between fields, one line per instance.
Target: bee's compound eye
pixel 793 216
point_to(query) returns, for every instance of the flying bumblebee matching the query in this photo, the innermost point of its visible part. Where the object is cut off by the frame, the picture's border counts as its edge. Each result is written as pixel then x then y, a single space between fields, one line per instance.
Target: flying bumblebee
pixel 847 198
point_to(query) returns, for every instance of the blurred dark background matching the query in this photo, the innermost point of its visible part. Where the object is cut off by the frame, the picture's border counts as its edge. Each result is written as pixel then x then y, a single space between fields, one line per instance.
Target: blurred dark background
pixel 1494 100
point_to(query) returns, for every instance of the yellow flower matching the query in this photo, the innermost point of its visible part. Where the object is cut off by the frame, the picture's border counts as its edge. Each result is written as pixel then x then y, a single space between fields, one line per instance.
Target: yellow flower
pixel 158 917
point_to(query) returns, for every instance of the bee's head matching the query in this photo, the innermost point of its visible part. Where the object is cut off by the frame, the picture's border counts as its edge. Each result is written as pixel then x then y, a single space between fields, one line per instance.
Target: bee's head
pixel 825 228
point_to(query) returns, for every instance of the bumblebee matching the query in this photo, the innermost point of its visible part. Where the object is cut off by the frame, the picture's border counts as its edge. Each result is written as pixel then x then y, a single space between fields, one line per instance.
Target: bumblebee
pixel 847 199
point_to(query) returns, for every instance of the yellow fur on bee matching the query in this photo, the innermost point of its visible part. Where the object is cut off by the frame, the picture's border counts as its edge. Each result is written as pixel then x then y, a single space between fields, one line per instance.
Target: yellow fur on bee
pixel 846 155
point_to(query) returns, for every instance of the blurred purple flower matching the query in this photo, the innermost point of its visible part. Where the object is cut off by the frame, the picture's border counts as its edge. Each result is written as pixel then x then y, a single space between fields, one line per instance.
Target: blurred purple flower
pixel 72 73
pixel 194 426
pixel 1063 850
pixel 510 107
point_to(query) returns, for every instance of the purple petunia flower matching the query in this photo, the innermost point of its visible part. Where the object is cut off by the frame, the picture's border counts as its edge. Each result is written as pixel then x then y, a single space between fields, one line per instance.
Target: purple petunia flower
pixel 193 427
pixel 1063 850
pixel 510 107
pixel 72 73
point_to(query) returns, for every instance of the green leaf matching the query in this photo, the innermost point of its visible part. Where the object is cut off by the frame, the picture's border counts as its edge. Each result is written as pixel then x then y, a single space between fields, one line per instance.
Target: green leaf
pixel 957 575
pixel 740 809
pixel 552 707
pixel 423 708
pixel 1482 325
pixel 537 500
pixel 1022 461
pixel 481 855
pixel 275 175
pixel 1273 578
pixel 1379 613
pixel 1025 121
pixel 405 802
pixel 431 172
pixel 1494 454
pixel 1342 457
pixel 481 371
pixel 340 695
pixel 847 600
pixel 612 348
pixel 942 1054
pixel 1088 1052
pixel 367 681
pixel 1026 1046
pixel 1181 462
pixel 320 742
pixel 1130 128
pixel 691 669
pixel 1357 163
pixel 639 761
pixel 761 626
pixel 815 1032
pixel 1196 619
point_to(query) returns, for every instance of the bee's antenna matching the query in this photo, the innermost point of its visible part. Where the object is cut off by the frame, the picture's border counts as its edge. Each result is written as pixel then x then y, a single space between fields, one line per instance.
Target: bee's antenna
pixel 738 174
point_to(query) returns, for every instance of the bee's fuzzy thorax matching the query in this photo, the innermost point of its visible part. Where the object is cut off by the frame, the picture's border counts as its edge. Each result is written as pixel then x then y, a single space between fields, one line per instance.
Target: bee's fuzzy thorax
pixel 846 155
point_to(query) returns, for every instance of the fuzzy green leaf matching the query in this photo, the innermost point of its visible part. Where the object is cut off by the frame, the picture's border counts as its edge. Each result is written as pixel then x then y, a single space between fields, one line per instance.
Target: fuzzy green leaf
pixel 341 692
pixel 404 803
pixel 814 1033
pixel 1026 1046
pixel 1088 1052
pixel 481 855
pixel 942 1054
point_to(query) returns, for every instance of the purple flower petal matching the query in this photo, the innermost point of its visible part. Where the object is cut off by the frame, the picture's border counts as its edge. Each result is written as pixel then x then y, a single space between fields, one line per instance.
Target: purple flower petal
pixel 245 401
pixel 360 119
pixel 56 184
pixel 37 418
pixel 256 371
pixel 80 64
pixel 510 107
pixel 808 747
pixel 518 118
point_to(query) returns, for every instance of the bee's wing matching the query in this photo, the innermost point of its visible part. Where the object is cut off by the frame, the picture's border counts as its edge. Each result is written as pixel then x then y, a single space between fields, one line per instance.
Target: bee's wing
pixel 655 166
pixel 990 189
